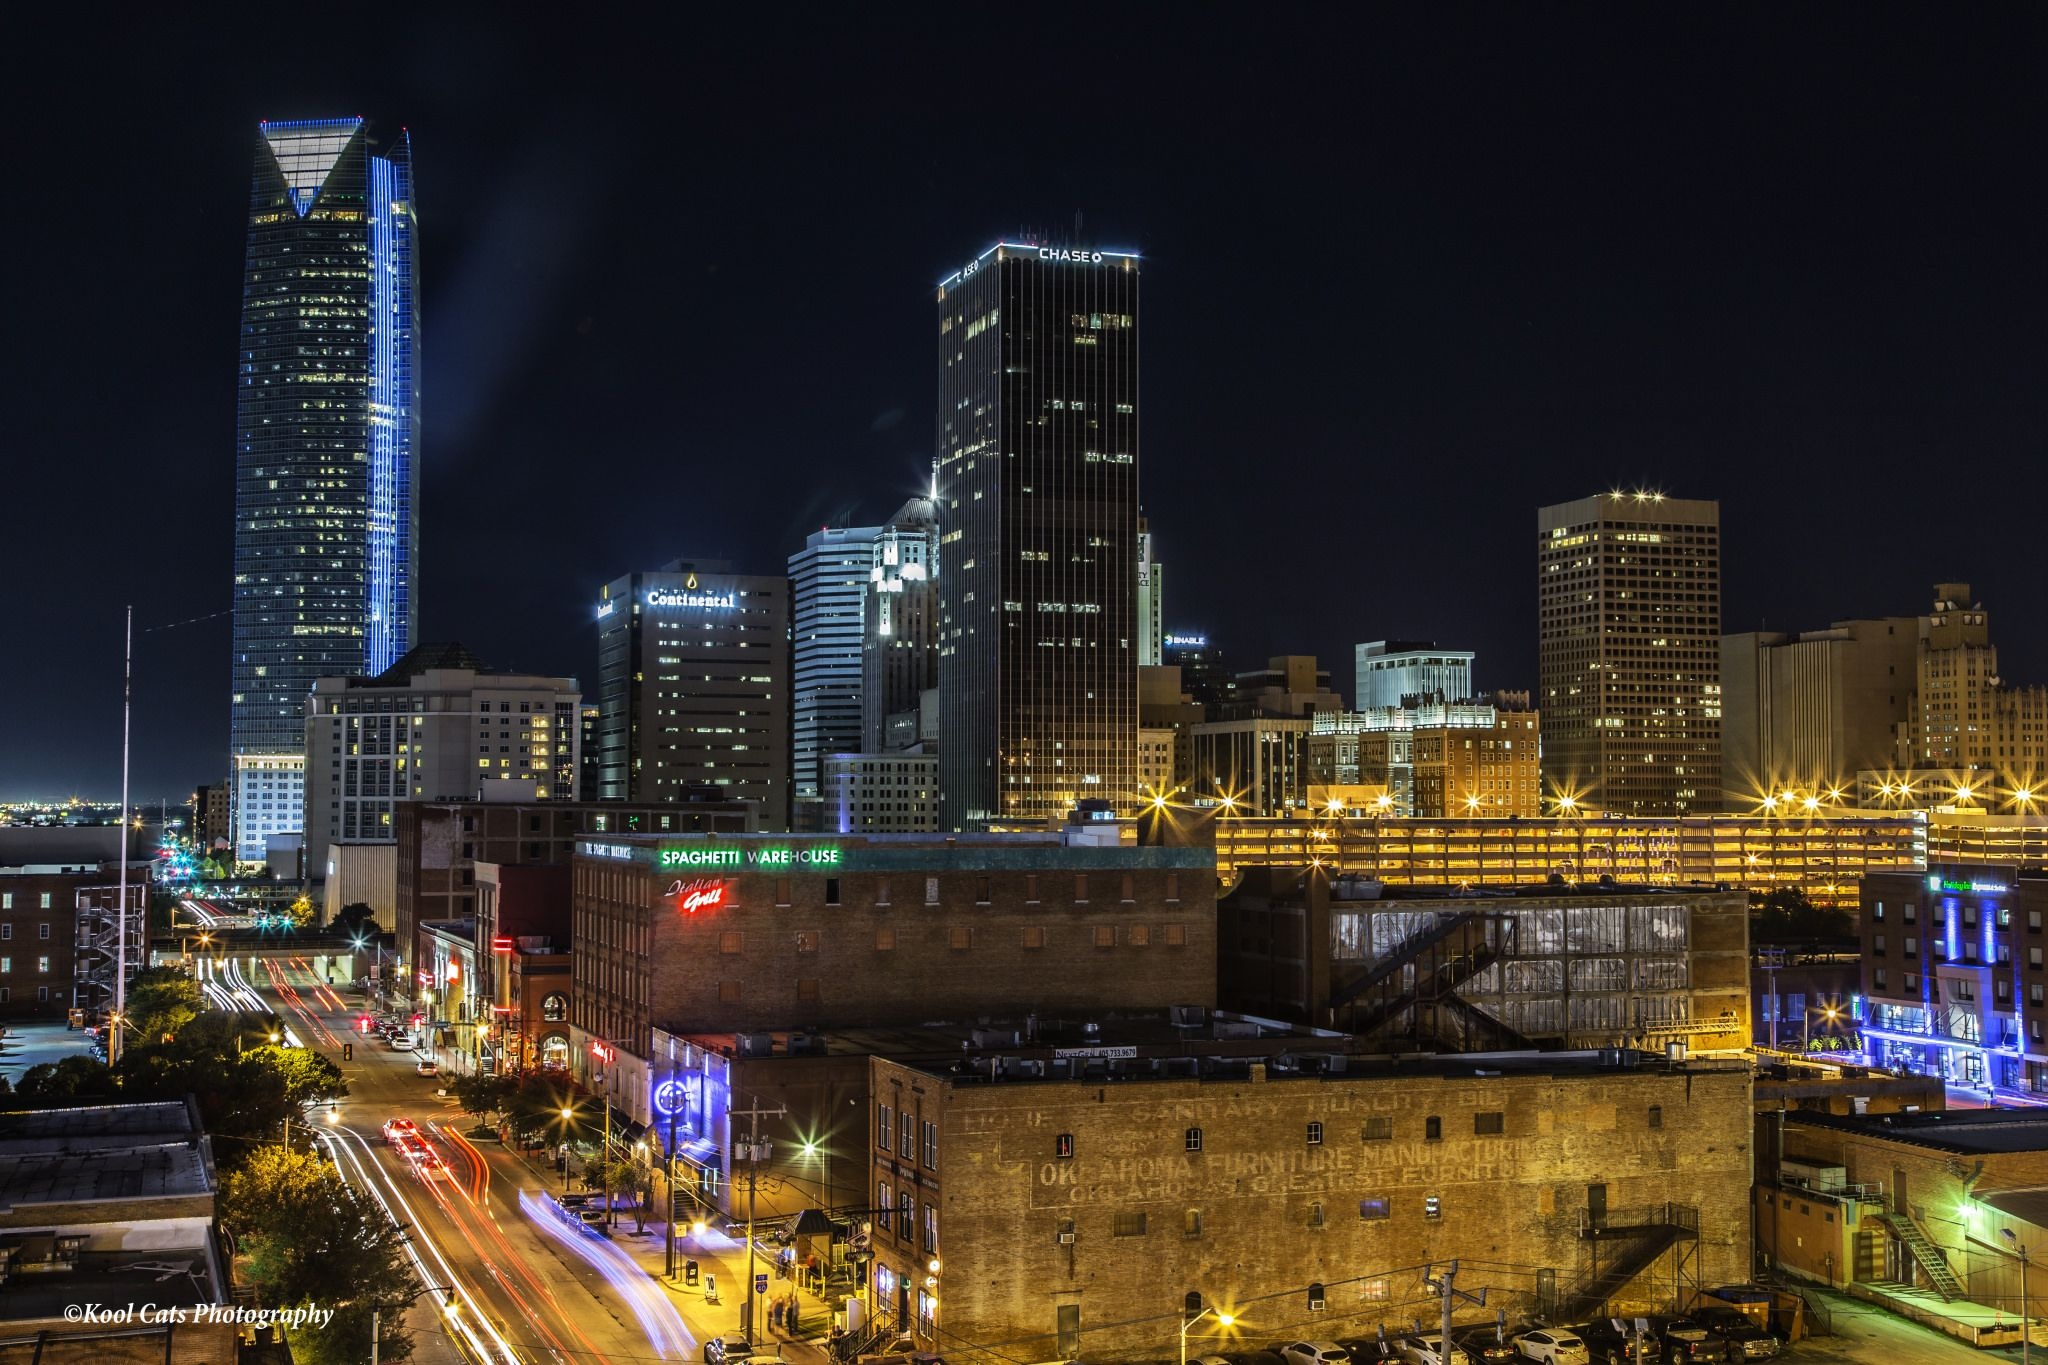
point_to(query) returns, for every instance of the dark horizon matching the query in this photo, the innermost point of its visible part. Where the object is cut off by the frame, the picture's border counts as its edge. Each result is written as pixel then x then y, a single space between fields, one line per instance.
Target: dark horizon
pixel 1408 277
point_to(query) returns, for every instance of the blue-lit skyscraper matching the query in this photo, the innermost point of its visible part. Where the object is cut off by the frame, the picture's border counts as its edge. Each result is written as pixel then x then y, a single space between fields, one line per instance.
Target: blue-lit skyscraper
pixel 326 444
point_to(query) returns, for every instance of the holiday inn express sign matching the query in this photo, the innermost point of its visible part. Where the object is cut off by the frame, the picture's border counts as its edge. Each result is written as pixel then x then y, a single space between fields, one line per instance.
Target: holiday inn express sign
pixel 805 858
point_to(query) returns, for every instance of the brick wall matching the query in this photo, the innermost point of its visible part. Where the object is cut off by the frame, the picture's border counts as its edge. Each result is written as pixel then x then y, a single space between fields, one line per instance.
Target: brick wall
pixel 1260 1211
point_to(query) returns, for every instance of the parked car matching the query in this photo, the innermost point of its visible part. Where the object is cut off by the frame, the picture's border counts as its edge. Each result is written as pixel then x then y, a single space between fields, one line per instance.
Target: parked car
pixel 1739 1328
pixel 1372 1350
pixel 1314 1353
pixel 1613 1341
pixel 1256 1358
pixel 428 1068
pixel 1553 1346
pixel 1685 1339
pixel 1485 1345
pixel 727 1351
pixel 1426 1348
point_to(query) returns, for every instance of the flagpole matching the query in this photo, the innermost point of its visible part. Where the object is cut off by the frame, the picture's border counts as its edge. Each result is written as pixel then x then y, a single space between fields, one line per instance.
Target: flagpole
pixel 121 906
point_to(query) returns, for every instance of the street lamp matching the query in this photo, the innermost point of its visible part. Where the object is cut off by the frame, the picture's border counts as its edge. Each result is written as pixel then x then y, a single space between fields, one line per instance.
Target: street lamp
pixel 2026 1318
pixel 1224 1318
pixel 568 1117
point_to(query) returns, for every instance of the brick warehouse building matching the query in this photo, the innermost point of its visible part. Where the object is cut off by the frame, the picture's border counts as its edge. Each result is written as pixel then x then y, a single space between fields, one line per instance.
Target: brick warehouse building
pixel 1063 1206
pixel 724 933
pixel 1563 965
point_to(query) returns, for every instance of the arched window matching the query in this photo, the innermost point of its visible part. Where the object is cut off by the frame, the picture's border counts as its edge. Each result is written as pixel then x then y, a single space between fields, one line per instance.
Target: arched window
pixel 554 1009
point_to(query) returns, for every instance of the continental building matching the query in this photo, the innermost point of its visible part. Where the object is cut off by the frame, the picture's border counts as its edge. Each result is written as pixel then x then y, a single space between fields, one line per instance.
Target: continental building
pixel 828 587
pixel 1808 711
pixel 326 445
pixel 1629 660
pixel 1064 1196
pixel 435 726
pixel 1038 514
pixel 1572 966
pixel 694 687
pixel 748 933
pixel 1953 975
pixel 1822 855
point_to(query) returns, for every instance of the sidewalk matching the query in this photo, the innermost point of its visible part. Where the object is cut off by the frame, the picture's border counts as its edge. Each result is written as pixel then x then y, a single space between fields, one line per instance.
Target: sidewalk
pixel 717 1256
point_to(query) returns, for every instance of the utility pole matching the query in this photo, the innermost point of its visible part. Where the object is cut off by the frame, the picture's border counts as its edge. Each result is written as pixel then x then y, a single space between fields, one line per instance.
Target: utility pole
pixel 674 1092
pixel 121 906
pixel 1441 1280
pixel 756 1150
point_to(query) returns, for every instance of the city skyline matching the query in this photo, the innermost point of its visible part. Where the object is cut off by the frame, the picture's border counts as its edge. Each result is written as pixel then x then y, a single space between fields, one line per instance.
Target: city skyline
pixel 1555 289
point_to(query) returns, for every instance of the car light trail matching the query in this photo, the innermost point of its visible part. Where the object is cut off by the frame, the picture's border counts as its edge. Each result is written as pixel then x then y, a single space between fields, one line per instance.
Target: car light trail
pixel 659 1320
pixel 473 1327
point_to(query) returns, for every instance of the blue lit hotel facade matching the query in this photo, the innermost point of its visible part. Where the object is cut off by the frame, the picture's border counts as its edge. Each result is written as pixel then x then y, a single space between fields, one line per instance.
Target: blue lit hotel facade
pixel 1954 979
pixel 326 445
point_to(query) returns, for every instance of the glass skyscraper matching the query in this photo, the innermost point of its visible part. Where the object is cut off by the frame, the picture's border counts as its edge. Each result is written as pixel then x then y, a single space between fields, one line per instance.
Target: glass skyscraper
pixel 1038 516
pixel 827 580
pixel 326 444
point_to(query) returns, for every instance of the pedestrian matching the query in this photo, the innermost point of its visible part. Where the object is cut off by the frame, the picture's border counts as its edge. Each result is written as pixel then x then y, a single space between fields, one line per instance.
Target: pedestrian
pixel 790 1316
pixel 775 1314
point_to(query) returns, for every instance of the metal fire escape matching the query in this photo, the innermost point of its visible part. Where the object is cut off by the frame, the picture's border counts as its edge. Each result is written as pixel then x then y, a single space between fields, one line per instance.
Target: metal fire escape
pixel 1412 992
pixel 1612 1252
pixel 97 945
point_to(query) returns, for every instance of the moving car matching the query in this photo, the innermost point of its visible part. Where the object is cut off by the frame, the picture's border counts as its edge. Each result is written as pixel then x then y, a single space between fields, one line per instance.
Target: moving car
pixel 1739 1328
pixel 1553 1346
pixel 1616 1341
pixel 428 1068
pixel 397 1129
pixel 1313 1353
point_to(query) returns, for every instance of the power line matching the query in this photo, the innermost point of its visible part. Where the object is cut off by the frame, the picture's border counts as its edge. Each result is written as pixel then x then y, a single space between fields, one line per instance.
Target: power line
pixel 173 625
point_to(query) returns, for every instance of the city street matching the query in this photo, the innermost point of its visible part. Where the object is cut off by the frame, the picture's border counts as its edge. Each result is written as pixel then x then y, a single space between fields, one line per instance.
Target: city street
pixel 529 1287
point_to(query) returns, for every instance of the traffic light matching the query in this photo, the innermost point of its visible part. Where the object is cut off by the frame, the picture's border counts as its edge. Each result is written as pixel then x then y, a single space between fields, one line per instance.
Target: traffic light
pixel 348 1052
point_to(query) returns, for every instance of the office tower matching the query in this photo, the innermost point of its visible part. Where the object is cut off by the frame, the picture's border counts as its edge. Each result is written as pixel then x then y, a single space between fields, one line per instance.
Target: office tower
pixel 1151 600
pixel 435 726
pixel 1204 675
pixel 1808 711
pixel 326 445
pixel 828 580
pixel 1390 670
pixel 1972 738
pixel 588 771
pixel 1629 653
pixel 1038 511
pixel 693 687
pixel 900 623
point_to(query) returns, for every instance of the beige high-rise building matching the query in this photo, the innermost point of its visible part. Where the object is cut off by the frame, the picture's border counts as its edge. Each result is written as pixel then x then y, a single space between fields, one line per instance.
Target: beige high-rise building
pixel 1806 712
pixel 435 726
pixel 1629 653
pixel 1964 716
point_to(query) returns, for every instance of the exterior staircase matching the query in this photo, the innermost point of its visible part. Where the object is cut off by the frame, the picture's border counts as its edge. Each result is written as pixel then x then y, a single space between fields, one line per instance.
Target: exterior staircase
pixel 1427 969
pixel 1929 1256
pixel 1629 1249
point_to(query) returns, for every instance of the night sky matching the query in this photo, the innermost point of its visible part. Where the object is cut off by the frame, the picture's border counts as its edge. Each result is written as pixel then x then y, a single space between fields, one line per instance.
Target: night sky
pixel 1408 276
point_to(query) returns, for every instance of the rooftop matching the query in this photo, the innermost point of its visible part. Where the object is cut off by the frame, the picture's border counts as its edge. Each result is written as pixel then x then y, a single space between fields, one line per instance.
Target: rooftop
pixel 166 1277
pixel 1187 1043
pixel 102 1153
pixel 1964 1132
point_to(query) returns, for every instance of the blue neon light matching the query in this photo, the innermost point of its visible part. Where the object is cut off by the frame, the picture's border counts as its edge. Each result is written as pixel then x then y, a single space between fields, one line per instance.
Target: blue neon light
pixel 1929 1040
pixel 387 608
